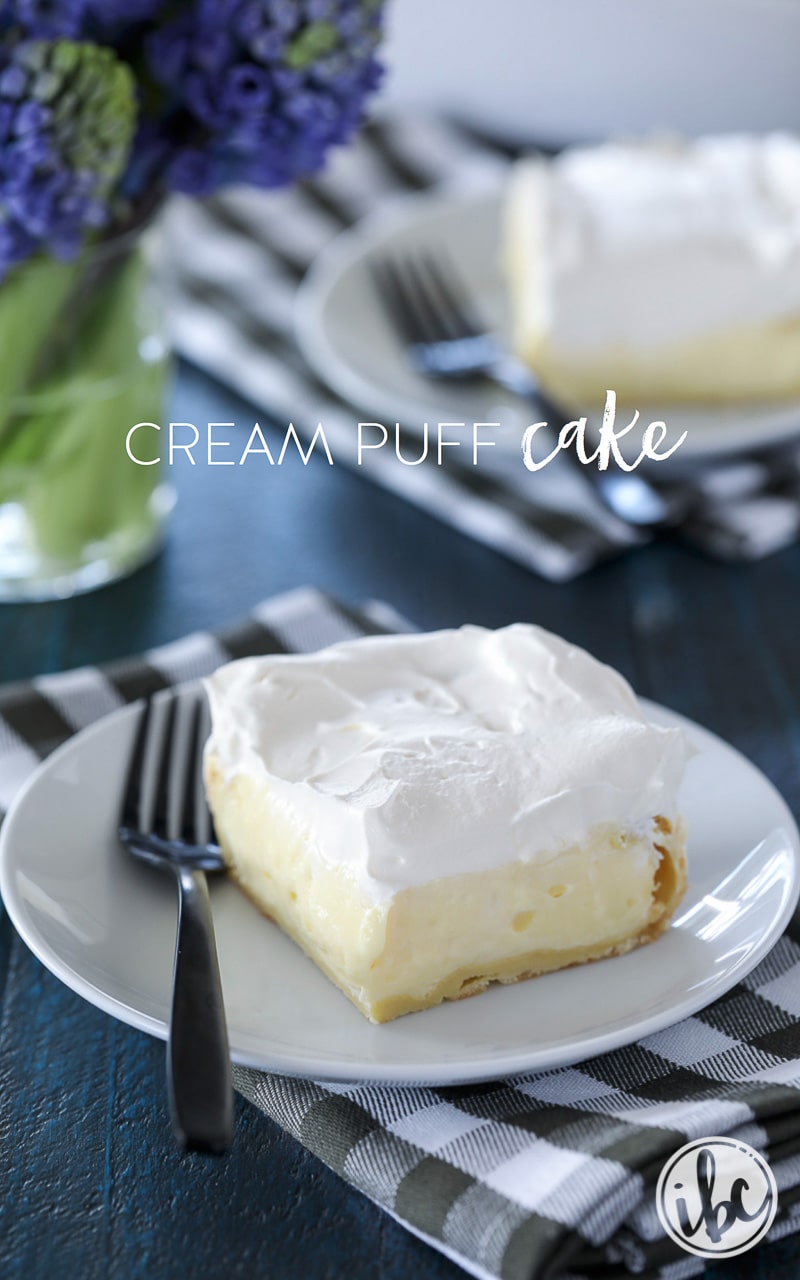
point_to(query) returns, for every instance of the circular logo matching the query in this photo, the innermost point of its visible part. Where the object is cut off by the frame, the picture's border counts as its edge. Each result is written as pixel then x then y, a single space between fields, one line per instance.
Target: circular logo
pixel 716 1197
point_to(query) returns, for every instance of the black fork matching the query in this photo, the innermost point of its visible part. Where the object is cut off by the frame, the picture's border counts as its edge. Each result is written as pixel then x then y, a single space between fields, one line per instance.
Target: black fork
pixel 179 837
pixel 446 339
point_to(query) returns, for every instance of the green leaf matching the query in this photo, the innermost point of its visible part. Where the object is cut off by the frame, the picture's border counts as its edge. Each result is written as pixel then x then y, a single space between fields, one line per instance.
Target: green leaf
pixel 315 40
pixel 63 454
pixel 91 95
pixel 31 301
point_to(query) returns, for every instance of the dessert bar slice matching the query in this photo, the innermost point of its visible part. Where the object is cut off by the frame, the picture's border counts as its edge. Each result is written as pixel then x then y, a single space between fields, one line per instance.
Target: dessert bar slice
pixel 666 271
pixel 427 814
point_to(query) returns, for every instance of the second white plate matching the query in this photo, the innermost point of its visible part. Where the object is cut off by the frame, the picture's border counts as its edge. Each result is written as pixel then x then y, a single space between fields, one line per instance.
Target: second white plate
pixel 347 338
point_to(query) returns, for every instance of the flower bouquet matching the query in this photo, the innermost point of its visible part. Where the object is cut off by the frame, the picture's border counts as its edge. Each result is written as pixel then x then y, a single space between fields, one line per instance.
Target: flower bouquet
pixel 105 108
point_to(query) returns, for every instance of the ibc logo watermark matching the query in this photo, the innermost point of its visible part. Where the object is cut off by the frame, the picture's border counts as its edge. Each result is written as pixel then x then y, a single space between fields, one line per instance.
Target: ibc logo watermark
pixel 716 1197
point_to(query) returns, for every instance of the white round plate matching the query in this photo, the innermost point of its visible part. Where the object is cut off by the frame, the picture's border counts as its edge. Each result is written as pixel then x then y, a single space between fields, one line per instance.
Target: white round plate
pixel 105 926
pixel 347 337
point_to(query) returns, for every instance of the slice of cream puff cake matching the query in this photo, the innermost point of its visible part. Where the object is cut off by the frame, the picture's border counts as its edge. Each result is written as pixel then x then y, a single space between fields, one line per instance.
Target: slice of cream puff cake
pixel 428 814
pixel 668 271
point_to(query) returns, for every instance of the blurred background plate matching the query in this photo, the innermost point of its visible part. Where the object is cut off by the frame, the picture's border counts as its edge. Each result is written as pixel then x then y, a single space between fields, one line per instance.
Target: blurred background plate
pixel 347 338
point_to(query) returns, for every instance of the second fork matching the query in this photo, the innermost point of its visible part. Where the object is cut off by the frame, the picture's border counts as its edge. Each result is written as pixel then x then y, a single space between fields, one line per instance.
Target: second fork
pixel 446 339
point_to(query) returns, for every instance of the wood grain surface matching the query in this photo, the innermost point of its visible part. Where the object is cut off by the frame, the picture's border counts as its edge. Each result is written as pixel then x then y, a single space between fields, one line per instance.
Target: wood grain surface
pixel 90 1183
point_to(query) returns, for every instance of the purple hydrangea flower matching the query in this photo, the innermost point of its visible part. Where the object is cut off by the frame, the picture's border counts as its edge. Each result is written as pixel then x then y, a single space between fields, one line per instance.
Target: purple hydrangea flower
pixel 47 19
pixel 66 122
pixel 117 17
pixel 250 91
pixel 259 90
pixel 75 19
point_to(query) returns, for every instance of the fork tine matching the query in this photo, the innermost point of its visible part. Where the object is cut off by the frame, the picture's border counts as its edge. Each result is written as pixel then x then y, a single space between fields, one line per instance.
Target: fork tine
pixel 435 321
pixel 188 818
pixel 444 322
pixel 212 837
pixel 391 290
pixel 210 834
pixel 164 771
pixel 132 800
pixel 416 311
pixel 425 298
pixel 443 280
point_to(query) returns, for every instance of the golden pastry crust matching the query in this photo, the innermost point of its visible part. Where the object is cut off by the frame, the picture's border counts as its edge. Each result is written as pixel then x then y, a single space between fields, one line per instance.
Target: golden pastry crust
pixel 368 949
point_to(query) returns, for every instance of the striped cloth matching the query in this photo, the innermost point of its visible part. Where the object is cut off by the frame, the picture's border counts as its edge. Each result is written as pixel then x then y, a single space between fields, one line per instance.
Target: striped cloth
pixel 232 271
pixel 539 1176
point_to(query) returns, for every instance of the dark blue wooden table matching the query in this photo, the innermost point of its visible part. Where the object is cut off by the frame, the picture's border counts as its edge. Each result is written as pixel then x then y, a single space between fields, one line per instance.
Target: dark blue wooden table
pixel 90 1183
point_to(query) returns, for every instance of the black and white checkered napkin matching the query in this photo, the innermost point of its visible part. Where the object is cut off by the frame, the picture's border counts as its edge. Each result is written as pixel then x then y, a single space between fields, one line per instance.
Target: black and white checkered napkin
pixel 234 267
pixel 548 1175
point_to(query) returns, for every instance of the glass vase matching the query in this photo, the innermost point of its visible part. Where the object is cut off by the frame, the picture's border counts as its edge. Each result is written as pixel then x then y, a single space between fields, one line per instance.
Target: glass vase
pixel 82 359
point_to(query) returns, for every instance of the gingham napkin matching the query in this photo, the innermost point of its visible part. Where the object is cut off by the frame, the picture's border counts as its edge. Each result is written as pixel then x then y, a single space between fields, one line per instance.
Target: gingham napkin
pixel 548 1175
pixel 231 273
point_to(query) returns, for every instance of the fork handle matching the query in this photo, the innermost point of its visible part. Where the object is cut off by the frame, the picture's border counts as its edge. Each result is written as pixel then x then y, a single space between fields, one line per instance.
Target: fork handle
pixel 198 1058
pixel 510 372
pixel 631 498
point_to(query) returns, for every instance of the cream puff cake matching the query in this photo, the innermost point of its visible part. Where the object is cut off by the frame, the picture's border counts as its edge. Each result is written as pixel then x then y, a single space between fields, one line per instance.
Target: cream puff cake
pixel 428 814
pixel 668 271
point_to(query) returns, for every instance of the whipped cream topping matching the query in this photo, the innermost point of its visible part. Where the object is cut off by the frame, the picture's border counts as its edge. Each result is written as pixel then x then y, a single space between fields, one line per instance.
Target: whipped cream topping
pixel 645 244
pixel 410 758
